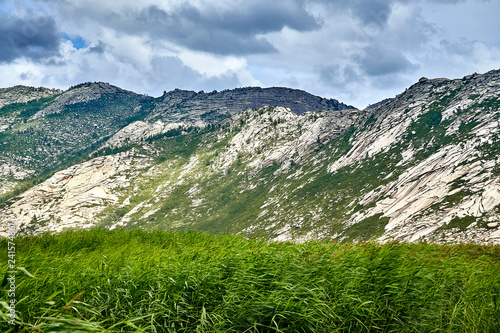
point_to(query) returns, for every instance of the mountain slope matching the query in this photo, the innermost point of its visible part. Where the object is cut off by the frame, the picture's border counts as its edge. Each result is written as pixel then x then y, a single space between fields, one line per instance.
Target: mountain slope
pixel 48 132
pixel 421 166
pixel 44 130
pixel 51 125
pixel 446 132
pixel 23 94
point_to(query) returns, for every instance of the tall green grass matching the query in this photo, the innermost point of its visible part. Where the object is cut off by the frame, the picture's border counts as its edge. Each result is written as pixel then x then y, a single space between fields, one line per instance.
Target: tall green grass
pixel 137 281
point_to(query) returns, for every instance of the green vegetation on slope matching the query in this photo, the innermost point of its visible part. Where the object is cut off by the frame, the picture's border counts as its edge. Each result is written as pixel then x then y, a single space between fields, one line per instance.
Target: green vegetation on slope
pixel 61 138
pixel 230 201
pixel 135 281
pixel 26 109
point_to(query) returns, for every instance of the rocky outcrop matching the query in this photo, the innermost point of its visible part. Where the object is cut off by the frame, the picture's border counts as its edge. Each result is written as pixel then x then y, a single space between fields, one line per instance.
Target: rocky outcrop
pixel 458 181
pixel 139 131
pixel 82 93
pixel 22 94
pixel 282 137
pixel 181 104
pixel 421 166
pixel 72 197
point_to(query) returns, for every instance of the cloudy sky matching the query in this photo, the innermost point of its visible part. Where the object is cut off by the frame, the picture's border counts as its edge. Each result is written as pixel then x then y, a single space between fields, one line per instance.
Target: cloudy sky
pixel 357 51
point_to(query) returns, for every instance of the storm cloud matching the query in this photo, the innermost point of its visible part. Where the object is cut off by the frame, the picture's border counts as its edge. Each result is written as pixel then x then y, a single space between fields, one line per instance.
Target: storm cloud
pixel 34 37
pixel 235 30
pixel 378 60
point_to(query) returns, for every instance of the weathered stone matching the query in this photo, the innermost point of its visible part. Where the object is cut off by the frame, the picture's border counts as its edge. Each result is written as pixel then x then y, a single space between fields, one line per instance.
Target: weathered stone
pixel 71 198
pixel 192 104
pixel 22 94
pixel 447 194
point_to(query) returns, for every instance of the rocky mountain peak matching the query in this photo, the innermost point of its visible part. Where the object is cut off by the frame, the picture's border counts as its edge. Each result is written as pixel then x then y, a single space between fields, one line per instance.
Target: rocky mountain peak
pixel 97 88
pixel 82 93
pixel 23 94
pixel 236 100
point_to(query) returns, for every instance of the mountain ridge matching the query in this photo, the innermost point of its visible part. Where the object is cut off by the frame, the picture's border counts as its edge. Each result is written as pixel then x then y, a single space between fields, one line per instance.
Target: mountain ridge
pixel 420 167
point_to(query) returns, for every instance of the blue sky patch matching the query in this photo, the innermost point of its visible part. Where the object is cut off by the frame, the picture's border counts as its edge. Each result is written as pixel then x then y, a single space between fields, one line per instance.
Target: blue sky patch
pixel 78 42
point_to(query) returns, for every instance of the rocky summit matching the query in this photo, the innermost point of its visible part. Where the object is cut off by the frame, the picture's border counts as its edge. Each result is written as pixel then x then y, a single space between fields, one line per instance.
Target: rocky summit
pixel 277 163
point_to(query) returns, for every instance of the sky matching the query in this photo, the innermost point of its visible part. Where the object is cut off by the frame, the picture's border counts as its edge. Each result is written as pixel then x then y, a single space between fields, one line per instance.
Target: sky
pixel 356 51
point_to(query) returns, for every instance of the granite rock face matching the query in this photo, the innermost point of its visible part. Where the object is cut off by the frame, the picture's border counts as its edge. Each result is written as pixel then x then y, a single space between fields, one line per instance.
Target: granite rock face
pixel 282 137
pixel 23 94
pixel 138 131
pixel 71 198
pixel 423 166
pixel 211 106
pixel 458 182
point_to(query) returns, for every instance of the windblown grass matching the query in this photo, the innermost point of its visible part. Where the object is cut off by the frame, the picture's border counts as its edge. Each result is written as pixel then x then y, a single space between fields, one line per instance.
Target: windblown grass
pixel 136 281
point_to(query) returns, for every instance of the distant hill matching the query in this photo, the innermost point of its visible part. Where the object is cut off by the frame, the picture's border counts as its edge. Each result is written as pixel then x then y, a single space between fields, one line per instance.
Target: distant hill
pixel 206 105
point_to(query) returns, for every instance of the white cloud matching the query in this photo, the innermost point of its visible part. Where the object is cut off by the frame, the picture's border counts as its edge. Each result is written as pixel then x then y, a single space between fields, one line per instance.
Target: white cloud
pixel 358 51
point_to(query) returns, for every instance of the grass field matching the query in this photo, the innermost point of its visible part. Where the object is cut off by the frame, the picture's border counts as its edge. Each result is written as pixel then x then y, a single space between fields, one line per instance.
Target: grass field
pixel 137 281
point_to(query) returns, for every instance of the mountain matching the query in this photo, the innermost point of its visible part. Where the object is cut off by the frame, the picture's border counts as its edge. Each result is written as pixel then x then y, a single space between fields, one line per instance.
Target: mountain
pixel 48 132
pixel 275 163
pixel 44 130
pixel 189 104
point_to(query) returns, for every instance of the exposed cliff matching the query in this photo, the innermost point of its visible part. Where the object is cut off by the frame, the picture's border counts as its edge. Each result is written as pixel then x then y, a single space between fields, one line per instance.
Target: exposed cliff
pixel 209 105
pixel 421 166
